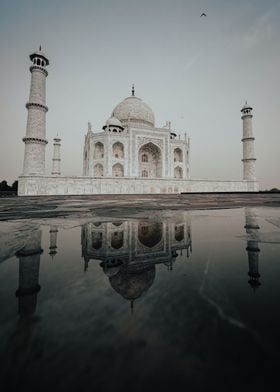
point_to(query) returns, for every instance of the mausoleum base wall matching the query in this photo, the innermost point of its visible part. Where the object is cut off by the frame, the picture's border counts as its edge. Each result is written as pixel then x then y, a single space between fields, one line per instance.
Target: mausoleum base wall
pixel 58 185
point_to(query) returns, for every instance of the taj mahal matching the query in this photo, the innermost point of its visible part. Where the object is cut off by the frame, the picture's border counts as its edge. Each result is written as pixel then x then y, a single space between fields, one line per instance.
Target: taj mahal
pixel 130 155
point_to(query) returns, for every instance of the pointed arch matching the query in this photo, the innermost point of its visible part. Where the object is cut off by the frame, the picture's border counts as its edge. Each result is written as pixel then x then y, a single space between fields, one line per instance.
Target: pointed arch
pixel 118 150
pixel 117 239
pixel 117 170
pixel 179 232
pixel 178 172
pixel 98 170
pixel 98 150
pixel 178 155
pixel 150 234
pixel 96 239
pixel 150 161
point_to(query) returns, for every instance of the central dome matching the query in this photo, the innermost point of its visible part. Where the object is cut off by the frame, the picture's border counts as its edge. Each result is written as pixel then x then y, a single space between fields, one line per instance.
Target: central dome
pixel 134 110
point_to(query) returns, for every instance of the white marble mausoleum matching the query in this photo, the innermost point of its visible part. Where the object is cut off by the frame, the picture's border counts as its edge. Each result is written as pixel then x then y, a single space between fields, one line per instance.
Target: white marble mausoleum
pixel 129 155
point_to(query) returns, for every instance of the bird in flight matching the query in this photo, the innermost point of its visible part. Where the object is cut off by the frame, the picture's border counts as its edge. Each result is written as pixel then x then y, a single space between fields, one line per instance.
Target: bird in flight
pixel 203 14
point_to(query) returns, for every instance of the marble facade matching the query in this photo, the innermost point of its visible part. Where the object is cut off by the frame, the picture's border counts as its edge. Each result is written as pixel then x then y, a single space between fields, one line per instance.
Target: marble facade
pixel 130 155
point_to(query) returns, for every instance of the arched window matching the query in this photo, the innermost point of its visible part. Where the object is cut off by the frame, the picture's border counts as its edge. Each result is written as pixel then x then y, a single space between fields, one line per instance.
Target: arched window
pixel 117 170
pixel 117 239
pixel 98 170
pixel 178 155
pixel 98 150
pixel 38 62
pixel 150 234
pixel 152 154
pixel 144 173
pixel 179 233
pixel 178 172
pixel 118 150
pixel 96 239
pixel 144 158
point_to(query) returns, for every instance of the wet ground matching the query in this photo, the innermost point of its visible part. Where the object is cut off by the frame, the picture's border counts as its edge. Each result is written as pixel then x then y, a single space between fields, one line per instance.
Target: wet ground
pixel 88 205
pixel 109 295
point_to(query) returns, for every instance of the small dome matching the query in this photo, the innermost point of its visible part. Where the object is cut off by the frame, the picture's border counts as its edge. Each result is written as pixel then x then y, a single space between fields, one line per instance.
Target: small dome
pixel 111 271
pixel 135 110
pixel 114 122
pixel 246 106
pixel 39 53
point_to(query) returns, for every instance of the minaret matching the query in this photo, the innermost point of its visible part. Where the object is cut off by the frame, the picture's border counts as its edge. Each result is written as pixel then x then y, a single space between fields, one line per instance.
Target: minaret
pixel 35 139
pixel 249 160
pixel 53 240
pixel 253 250
pixel 29 264
pixel 56 169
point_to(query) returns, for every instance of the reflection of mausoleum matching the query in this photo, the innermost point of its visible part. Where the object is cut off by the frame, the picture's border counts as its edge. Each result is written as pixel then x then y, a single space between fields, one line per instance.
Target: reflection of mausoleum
pixel 130 250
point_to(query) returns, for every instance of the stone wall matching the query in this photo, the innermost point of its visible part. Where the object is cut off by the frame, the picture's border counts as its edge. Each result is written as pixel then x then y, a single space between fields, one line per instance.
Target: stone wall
pixel 58 185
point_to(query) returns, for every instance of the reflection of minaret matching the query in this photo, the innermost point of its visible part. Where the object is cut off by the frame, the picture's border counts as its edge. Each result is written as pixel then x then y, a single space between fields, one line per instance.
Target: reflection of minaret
pixel 56 169
pixel 29 264
pixel 53 240
pixel 253 250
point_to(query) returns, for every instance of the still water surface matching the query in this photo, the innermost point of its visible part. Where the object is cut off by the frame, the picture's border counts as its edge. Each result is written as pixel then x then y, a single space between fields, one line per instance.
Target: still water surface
pixel 186 299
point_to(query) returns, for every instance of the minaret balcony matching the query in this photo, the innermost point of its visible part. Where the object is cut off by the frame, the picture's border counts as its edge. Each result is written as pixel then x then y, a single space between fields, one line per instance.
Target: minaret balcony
pixel 29 105
pixel 38 68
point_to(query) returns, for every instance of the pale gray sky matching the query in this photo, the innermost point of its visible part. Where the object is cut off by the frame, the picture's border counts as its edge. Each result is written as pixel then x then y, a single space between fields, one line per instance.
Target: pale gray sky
pixel 195 72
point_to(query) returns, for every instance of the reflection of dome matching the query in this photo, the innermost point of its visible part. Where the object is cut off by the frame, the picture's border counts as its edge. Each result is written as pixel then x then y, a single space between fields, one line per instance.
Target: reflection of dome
pixel 131 285
pixel 111 271
pixel 111 267
pixel 135 110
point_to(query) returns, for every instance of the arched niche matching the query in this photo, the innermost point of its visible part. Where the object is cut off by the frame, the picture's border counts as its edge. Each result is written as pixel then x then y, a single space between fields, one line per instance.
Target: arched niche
pixel 178 172
pixel 178 155
pixel 117 239
pixel 117 170
pixel 150 234
pixel 98 170
pixel 144 158
pixel 96 239
pixel 179 233
pixel 117 223
pixel 118 150
pixel 98 150
pixel 150 161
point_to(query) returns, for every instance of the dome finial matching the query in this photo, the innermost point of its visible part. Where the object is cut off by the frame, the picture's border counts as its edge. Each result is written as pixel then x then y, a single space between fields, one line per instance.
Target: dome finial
pixel 133 89
pixel 40 48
